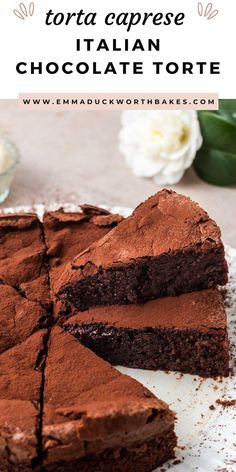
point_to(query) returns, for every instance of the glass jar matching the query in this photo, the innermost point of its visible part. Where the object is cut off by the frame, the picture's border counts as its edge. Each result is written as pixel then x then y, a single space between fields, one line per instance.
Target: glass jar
pixel 9 159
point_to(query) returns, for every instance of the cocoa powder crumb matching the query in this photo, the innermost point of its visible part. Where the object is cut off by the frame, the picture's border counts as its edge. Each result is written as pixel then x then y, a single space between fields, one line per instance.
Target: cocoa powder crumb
pixel 226 403
pixel 177 461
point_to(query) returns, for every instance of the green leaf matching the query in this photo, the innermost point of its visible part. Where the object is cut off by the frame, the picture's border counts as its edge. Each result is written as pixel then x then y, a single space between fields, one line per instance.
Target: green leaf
pixel 228 110
pixel 227 105
pixel 216 167
pixel 218 132
pixel 228 116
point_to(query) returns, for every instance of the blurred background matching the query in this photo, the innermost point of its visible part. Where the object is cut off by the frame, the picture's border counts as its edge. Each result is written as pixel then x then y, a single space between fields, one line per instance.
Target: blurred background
pixel 73 156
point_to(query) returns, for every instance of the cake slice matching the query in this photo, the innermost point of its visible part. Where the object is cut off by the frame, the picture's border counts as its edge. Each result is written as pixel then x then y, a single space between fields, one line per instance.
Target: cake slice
pixel 69 233
pixel 96 419
pixel 19 317
pixel 22 256
pixel 187 333
pixel 20 404
pixel 168 246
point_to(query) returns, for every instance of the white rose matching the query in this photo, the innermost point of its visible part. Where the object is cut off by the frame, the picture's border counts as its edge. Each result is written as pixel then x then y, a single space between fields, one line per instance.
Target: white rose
pixel 160 144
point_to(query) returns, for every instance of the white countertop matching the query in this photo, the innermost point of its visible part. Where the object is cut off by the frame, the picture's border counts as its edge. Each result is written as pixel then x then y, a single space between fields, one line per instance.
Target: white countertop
pixel 72 156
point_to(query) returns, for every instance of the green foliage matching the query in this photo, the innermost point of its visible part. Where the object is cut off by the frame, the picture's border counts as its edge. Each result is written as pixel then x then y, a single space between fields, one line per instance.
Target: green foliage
pixel 215 162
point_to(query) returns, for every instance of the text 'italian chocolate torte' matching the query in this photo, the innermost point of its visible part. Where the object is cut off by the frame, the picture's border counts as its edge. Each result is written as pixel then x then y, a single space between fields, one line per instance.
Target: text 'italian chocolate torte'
pixel 168 246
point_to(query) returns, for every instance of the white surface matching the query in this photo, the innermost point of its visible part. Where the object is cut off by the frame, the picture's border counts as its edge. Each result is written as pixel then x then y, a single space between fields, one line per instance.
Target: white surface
pixel 73 157
pixel 206 438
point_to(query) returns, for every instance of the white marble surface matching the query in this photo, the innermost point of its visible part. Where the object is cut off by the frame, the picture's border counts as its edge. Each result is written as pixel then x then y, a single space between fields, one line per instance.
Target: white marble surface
pixel 72 156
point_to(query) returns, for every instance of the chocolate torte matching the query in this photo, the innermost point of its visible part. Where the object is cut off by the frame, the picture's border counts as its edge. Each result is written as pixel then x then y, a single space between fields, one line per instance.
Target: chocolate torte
pixel 22 256
pixel 96 419
pixel 187 333
pixel 19 317
pixel 62 407
pixel 20 404
pixel 69 233
pixel 168 246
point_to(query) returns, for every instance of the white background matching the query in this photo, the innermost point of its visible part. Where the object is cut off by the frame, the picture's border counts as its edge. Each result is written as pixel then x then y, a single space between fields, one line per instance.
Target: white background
pixel 198 39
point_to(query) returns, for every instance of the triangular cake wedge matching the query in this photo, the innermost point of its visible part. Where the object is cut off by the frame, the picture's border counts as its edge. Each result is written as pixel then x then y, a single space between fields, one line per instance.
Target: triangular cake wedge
pixel 22 256
pixel 187 333
pixel 19 317
pixel 168 246
pixel 20 404
pixel 69 233
pixel 98 419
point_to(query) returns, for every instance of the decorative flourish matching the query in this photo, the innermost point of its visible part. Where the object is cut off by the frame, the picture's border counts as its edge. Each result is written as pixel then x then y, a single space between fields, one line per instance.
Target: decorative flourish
pixel 23 12
pixel 208 12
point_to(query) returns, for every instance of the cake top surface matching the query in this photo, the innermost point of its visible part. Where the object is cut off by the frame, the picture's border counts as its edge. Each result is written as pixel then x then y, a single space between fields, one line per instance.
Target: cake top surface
pixel 96 389
pixel 16 423
pixel 203 311
pixel 20 396
pixel 69 233
pixel 20 369
pixel 165 222
pixel 17 221
pixel 22 256
pixel 19 443
pixel 19 317
pixel 89 406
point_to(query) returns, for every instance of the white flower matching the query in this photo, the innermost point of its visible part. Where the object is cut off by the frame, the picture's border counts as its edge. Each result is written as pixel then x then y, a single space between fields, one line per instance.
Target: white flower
pixel 160 144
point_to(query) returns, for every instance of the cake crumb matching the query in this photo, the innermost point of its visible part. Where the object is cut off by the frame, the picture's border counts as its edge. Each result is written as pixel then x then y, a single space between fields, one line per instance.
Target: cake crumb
pixel 180 447
pixel 226 403
pixel 177 461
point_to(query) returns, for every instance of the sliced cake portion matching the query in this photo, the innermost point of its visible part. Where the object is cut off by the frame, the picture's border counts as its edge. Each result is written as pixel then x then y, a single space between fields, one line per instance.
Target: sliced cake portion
pixel 22 256
pixel 96 419
pixel 187 333
pixel 69 233
pixel 168 246
pixel 19 317
pixel 20 399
